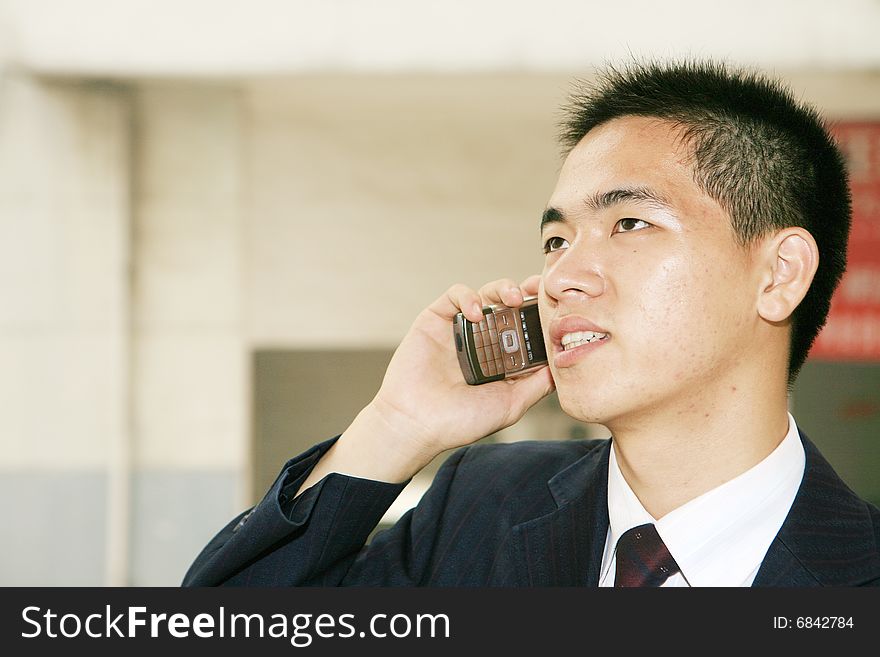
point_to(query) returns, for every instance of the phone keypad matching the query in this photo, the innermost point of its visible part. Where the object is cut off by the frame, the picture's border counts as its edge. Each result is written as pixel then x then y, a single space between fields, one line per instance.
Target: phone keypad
pixel 492 359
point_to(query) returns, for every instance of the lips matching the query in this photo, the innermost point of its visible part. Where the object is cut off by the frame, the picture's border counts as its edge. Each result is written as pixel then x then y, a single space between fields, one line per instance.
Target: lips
pixel 573 336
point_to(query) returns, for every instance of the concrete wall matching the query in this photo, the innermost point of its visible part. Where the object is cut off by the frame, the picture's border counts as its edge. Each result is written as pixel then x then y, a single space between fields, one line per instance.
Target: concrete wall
pixel 123 387
pixel 189 362
pixel 369 196
pixel 64 204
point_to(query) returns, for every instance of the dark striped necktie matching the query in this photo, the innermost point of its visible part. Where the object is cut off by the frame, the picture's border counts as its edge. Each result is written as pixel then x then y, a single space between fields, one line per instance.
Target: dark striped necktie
pixel 642 558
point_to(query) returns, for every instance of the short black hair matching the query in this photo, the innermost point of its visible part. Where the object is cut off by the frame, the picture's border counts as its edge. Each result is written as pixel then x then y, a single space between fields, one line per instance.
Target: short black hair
pixel 767 159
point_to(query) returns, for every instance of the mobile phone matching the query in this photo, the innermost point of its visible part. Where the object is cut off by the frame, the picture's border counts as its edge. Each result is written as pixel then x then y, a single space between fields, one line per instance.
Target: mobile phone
pixel 508 342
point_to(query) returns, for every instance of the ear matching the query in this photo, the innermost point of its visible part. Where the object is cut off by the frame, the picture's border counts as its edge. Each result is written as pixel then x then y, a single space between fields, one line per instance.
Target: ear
pixel 790 258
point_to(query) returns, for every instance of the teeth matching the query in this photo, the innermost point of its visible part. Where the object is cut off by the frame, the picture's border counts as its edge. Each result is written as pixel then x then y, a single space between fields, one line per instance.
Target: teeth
pixel 572 340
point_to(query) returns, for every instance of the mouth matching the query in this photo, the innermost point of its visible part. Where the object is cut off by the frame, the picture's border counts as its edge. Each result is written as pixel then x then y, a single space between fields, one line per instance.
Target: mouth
pixel 577 339
pixel 574 339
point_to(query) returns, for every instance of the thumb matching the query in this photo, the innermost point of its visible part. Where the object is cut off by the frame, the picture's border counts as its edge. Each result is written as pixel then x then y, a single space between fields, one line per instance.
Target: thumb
pixel 532 388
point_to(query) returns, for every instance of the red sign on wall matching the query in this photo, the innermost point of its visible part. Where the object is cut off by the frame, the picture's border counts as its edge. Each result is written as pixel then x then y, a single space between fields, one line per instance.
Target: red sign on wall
pixel 853 329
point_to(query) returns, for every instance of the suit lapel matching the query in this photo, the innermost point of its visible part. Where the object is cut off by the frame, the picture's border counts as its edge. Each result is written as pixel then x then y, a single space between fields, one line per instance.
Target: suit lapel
pixel 564 547
pixel 828 537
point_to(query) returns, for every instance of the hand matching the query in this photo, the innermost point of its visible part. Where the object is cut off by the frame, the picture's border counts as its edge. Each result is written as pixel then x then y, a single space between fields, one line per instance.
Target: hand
pixel 424 405
pixel 424 400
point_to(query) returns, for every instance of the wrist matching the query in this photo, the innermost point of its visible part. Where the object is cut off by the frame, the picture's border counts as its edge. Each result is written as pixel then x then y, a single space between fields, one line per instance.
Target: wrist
pixel 378 445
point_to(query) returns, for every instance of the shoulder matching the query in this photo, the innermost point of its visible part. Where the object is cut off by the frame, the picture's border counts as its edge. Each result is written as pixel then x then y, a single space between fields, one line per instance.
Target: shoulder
pixel 511 475
pixel 821 478
pixel 832 530
pixel 537 456
pixel 483 490
pixel 873 514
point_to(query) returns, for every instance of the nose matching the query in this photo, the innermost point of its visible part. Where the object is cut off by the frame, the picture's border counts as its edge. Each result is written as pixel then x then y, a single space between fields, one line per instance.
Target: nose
pixel 574 274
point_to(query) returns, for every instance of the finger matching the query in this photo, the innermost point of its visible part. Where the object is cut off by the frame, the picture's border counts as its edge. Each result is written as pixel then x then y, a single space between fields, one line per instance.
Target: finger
pixel 504 291
pixel 458 298
pixel 531 285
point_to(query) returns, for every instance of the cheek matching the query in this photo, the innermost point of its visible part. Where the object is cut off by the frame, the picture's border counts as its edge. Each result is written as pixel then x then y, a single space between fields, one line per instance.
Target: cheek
pixel 686 315
pixel 668 299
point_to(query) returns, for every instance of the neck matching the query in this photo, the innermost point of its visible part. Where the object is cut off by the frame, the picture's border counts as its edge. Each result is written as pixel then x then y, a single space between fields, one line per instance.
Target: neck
pixel 668 458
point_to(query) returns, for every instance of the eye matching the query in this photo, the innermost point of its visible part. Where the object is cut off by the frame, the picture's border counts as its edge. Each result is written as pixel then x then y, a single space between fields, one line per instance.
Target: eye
pixel 630 225
pixel 555 244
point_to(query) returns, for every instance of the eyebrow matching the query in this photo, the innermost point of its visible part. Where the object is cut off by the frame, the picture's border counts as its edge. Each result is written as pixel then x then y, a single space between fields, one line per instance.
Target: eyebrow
pixel 603 200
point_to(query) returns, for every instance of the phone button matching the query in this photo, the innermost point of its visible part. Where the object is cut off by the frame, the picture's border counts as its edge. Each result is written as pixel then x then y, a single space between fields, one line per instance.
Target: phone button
pixel 504 318
pixel 510 341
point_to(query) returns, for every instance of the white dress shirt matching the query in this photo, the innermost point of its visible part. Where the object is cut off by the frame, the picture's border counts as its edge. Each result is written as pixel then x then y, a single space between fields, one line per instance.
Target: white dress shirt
pixel 720 537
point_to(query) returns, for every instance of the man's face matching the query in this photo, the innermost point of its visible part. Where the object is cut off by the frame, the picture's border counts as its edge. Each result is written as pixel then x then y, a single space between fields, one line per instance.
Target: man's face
pixel 645 265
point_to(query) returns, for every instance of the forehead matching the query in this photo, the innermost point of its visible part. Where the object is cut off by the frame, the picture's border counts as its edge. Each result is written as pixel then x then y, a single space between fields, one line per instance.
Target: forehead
pixel 629 152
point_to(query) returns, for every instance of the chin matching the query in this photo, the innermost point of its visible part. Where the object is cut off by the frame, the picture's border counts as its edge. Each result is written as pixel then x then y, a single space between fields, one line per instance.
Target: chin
pixel 575 406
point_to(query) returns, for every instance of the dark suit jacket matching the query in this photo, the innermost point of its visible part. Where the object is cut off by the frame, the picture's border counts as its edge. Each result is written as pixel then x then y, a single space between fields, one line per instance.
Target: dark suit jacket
pixel 521 514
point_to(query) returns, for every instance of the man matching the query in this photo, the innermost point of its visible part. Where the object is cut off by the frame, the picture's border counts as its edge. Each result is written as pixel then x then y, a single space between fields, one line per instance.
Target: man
pixel 693 241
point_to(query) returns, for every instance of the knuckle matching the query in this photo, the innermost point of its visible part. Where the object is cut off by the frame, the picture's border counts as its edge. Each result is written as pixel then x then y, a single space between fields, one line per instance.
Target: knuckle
pixel 459 291
pixel 494 287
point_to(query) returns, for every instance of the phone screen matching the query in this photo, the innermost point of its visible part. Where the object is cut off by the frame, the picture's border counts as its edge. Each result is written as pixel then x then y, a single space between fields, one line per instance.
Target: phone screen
pixel 532 329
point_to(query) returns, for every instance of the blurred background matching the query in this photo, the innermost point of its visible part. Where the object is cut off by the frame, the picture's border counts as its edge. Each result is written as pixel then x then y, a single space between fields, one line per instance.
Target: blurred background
pixel 218 218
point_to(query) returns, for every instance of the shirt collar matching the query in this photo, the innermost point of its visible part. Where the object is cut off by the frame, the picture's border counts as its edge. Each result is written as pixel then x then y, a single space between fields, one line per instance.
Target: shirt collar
pixel 720 537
